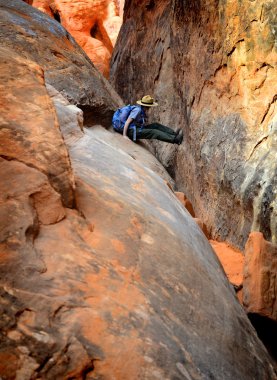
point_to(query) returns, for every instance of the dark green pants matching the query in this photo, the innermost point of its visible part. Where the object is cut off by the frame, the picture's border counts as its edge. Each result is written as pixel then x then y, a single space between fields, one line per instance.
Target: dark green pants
pixel 154 131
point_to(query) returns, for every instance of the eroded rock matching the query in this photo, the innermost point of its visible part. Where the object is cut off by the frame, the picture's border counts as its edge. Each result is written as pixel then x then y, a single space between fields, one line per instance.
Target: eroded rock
pixel 94 25
pixel 232 261
pixel 260 277
pixel 121 286
pixel 133 232
pixel 185 202
pixel 66 67
pixel 212 67
pixel 32 137
pixel 112 288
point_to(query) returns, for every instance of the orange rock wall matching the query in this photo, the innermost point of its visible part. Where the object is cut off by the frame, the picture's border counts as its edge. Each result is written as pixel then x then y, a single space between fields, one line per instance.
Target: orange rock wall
pixel 212 67
pixel 260 277
pixel 93 23
pixel 103 273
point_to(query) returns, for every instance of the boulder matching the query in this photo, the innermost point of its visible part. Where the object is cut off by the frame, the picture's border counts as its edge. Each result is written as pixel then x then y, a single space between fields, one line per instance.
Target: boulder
pixel 212 67
pixel 32 137
pixel 122 286
pixel 202 226
pixel 185 202
pixel 66 67
pixel 260 277
pixel 94 25
pixel 232 261
pixel 149 309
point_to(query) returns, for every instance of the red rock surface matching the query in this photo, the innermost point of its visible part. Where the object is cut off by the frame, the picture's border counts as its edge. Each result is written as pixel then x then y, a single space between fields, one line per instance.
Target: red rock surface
pixel 185 202
pixel 212 67
pixel 93 23
pixel 32 138
pixel 123 285
pixel 188 206
pixel 232 261
pixel 63 63
pixel 203 227
pixel 260 276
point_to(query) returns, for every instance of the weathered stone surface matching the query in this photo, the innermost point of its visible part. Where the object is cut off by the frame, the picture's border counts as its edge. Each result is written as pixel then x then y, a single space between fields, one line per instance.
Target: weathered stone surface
pixel 132 231
pixel 260 277
pixel 113 290
pixel 185 202
pixel 32 137
pixel 66 67
pixel 125 286
pixel 212 67
pixel 203 227
pixel 232 261
pixel 114 19
pixel 70 117
pixel 71 125
pixel 35 193
pixel 93 23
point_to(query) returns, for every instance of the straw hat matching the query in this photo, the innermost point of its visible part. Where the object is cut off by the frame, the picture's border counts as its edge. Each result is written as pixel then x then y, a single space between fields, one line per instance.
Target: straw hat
pixel 147 101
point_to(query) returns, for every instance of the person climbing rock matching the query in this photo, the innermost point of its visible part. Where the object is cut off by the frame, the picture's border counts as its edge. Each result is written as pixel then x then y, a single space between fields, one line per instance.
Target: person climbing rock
pixel 130 120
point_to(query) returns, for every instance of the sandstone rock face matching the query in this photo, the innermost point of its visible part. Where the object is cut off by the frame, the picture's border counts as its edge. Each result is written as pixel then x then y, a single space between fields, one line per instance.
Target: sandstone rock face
pixel 212 67
pixel 65 65
pixel 93 23
pixel 32 138
pixel 232 261
pixel 121 203
pixel 123 286
pixel 185 202
pixel 260 277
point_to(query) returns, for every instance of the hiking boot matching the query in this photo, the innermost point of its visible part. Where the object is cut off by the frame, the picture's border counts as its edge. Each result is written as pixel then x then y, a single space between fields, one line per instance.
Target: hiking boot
pixel 178 139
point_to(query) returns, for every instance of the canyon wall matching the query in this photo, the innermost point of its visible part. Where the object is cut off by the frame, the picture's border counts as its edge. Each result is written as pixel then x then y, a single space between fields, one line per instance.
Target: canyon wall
pixel 64 63
pixel 104 274
pixel 211 64
pixel 94 24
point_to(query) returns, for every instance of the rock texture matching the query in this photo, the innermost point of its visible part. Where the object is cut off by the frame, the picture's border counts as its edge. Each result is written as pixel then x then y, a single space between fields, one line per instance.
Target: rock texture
pixel 32 138
pixel 93 23
pixel 260 277
pixel 232 261
pixel 185 202
pixel 131 231
pixel 122 286
pixel 65 66
pixel 212 67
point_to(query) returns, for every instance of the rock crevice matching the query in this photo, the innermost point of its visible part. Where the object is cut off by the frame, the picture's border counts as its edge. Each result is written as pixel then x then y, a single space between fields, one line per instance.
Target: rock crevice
pixel 220 67
pixel 112 288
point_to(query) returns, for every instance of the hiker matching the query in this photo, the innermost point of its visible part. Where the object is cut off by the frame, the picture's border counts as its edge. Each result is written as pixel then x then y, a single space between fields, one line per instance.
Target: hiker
pixel 130 121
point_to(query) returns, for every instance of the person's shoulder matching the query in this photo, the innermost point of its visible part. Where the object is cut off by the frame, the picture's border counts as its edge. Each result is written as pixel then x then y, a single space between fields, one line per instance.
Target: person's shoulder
pixel 136 109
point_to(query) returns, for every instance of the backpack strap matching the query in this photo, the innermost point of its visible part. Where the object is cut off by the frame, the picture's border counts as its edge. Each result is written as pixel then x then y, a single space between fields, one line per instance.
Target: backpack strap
pixel 119 119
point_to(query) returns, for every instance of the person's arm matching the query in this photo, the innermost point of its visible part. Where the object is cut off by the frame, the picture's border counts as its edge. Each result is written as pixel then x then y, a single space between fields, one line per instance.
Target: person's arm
pixel 126 126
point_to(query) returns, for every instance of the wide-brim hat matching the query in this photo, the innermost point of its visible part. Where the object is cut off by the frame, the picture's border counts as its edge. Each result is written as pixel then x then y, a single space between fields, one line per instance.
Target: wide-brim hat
pixel 147 101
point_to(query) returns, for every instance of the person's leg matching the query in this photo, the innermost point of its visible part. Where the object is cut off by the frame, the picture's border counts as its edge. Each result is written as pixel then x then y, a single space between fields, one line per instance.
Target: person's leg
pixel 160 127
pixel 154 133
pixel 147 133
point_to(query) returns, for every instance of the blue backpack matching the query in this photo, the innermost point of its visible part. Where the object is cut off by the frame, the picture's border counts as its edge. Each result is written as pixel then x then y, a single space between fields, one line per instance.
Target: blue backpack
pixel 120 116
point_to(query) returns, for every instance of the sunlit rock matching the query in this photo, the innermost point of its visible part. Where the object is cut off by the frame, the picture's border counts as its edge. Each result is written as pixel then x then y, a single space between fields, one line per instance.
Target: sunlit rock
pixel 64 64
pixel 260 277
pixel 185 202
pixel 122 285
pixel 93 23
pixel 33 138
pixel 232 261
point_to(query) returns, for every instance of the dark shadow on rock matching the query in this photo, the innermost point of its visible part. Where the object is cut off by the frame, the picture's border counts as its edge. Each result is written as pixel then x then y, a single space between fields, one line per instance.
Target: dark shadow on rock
pixel 267 331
